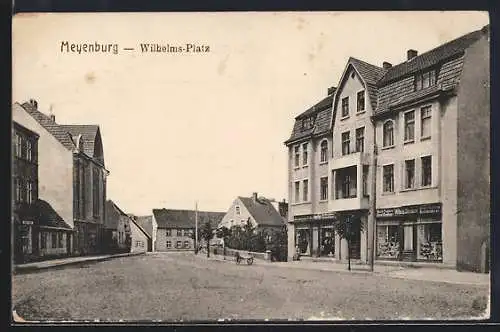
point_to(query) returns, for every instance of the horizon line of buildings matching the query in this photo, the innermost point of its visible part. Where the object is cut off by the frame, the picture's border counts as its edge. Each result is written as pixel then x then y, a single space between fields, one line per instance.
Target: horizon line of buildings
pixel 405 147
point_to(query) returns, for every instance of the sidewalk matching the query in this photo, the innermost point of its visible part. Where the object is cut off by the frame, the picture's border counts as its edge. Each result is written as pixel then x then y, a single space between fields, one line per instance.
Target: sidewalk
pixel 35 266
pixel 410 273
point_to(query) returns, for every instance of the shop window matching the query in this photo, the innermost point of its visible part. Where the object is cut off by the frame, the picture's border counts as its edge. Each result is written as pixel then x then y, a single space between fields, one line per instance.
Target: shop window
pixel 302 241
pixel 327 247
pixel 430 245
pixel 388 245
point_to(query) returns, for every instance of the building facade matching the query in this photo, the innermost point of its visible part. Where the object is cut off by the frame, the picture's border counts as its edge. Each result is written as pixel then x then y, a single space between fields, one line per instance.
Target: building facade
pixel 117 233
pixel 42 223
pixel 72 176
pixel 259 211
pixel 432 123
pixel 309 150
pixel 176 227
pixel 408 151
pixel 147 223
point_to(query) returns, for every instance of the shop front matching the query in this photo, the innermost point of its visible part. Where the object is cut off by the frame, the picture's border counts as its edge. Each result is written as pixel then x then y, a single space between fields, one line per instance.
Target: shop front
pixel 410 233
pixel 314 235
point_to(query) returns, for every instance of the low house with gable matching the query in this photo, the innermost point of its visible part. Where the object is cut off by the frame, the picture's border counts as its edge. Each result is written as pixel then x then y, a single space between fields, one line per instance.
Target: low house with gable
pixel 148 224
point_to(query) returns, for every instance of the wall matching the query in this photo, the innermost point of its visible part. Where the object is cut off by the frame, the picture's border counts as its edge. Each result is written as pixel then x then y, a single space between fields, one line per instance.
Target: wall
pixel 473 188
pixel 55 167
pixel 161 241
pixel 401 152
pixel 237 219
pixel 48 250
pixel 139 239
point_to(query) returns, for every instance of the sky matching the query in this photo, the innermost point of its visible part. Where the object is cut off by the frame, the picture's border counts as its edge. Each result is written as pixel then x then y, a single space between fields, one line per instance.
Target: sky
pixel 184 127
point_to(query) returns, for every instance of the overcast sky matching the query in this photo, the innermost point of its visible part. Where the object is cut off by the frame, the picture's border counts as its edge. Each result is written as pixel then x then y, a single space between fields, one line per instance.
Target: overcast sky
pixel 178 128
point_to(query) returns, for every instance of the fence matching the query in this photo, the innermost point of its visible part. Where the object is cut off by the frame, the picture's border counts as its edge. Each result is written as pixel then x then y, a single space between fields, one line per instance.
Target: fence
pixel 231 252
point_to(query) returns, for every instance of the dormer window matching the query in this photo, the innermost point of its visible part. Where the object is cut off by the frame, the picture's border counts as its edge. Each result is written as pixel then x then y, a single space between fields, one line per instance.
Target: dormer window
pixel 425 79
pixel 307 123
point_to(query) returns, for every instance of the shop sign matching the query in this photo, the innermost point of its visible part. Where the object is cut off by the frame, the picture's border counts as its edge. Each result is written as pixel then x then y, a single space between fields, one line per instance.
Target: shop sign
pixel 385 212
pixel 406 210
pixel 430 209
pixel 308 217
pixel 27 222
pixel 303 217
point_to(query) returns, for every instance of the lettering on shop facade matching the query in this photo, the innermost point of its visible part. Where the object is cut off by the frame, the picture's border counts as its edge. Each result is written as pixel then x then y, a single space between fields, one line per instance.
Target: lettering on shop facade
pixel 425 209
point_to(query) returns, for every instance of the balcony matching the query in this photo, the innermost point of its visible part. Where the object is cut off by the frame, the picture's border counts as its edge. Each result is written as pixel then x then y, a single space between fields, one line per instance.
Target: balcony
pixel 351 159
pixel 350 188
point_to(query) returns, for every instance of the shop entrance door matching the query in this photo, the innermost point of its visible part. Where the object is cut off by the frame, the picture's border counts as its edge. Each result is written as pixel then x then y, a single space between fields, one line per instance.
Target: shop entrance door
pixel 409 240
pixel 355 250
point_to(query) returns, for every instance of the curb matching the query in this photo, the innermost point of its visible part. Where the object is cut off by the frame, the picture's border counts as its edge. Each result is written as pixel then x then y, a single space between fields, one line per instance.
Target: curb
pixel 364 272
pixel 29 269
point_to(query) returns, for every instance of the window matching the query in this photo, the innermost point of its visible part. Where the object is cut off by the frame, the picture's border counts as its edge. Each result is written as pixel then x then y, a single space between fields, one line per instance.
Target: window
pixel 29 189
pixel 178 244
pixel 409 174
pixel 345 106
pixel 22 189
pixel 425 80
pixel 168 232
pixel 388 172
pixel 324 151
pixel 18 189
pixel 237 210
pixel 307 123
pixel 95 192
pixel 29 150
pixel 53 240
pixel 179 232
pixel 169 244
pixel 425 118
pixel 297 192
pixel 345 143
pixel 409 118
pixel 426 171
pixel 361 101
pixel 346 183
pixel 305 190
pixel 324 188
pixel 186 244
pixel 365 181
pixel 360 139
pixel 19 145
pixel 60 240
pixel 43 240
pixel 388 133
pixel 304 154
pixel 297 156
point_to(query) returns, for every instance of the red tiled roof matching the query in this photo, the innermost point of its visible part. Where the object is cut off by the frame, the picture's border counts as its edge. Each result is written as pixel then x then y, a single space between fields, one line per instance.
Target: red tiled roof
pixel 168 218
pixel 263 212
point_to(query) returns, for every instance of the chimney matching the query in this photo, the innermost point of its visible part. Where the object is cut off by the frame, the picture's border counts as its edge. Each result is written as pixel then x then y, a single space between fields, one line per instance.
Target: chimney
pixel 411 54
pixel 34 103
pixel 386 65
pixel 254 197
pixel 331 90
pixel 52 117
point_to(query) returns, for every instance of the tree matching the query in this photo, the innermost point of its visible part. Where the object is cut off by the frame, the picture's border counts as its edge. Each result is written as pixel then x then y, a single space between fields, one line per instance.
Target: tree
pixel 347 225
pixel 223 233
pixel 207 234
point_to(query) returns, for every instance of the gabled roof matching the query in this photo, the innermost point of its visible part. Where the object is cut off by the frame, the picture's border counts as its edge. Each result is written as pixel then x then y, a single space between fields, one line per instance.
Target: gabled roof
pixel 134 221
pixel 47 216
pixel 370 74
pixel 433 57
pixel 146 222
pixel 170 218
pixel 67 134
pixel 263 211
pixel 113 214
pixel 323 114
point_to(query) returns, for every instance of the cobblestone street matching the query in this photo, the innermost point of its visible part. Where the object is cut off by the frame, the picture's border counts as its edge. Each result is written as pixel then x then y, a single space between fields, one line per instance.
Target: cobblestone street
pixel 181 286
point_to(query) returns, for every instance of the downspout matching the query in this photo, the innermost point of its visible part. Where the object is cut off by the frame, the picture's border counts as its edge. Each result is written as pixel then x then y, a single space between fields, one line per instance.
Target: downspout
pixel 373 199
